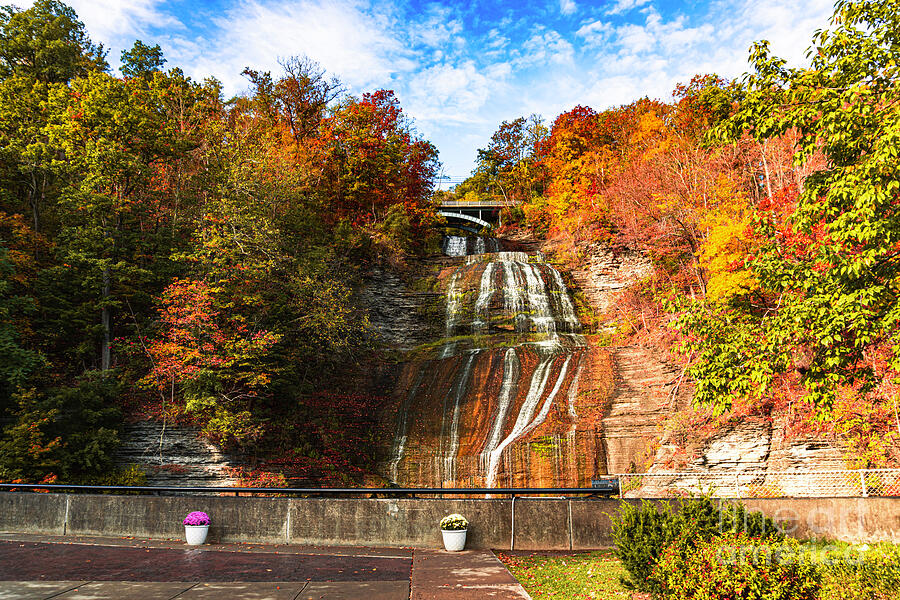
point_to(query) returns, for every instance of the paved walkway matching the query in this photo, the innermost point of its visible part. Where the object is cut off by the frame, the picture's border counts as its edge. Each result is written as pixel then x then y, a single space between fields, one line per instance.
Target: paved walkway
pixel 89 568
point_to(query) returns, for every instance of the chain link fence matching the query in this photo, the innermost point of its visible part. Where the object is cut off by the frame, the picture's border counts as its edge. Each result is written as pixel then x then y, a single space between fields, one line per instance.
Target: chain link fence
pixel 763 484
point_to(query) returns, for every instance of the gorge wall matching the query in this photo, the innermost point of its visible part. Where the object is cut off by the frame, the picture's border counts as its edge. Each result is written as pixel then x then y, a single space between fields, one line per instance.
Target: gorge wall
pixel 174 455
pixel 511 394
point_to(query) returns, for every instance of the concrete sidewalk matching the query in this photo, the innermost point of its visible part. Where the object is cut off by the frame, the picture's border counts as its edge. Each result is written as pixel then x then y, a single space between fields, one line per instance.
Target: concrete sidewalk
pixel 82 568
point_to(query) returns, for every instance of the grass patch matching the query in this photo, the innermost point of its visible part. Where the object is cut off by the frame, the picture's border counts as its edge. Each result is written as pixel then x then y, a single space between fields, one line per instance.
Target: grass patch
pixel 849 572
pixel 579 575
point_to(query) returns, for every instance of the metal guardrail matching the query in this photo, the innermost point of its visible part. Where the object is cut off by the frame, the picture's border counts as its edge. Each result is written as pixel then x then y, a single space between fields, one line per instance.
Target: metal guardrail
pixel 316 492
pixel 734 484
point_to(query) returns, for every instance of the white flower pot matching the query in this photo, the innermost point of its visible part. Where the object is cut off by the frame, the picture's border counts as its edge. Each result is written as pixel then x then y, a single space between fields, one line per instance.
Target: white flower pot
pixel 454 540
pixel 195 534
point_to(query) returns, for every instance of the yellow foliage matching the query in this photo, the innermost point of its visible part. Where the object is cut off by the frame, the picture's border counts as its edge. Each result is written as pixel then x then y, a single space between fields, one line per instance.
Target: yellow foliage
pixel 728 242
pixel 722 256
pixel 651 136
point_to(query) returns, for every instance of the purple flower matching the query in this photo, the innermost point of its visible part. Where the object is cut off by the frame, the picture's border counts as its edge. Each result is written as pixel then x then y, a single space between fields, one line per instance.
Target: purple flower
pixel 197 518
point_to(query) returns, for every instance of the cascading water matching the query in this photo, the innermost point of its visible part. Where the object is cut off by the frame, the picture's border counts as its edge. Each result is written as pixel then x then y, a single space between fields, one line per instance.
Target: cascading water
pixel 460 245
pixel 495 402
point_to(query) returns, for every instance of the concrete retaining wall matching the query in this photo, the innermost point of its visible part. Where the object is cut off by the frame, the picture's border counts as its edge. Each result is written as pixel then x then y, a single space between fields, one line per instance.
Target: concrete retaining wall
pixel 529 524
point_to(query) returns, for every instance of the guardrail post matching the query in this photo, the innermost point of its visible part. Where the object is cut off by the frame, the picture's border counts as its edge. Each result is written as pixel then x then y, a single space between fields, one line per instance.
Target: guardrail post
pixel 512 523
pixel 862 480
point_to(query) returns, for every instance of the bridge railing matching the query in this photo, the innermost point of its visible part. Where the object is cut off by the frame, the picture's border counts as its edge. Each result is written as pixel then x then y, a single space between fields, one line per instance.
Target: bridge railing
pixel 478 203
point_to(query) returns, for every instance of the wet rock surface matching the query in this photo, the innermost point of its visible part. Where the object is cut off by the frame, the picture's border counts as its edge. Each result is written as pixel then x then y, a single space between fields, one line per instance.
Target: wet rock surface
pixel 495 402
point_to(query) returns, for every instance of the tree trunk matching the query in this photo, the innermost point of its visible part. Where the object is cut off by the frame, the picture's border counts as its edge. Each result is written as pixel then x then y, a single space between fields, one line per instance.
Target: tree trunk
pixel 105 356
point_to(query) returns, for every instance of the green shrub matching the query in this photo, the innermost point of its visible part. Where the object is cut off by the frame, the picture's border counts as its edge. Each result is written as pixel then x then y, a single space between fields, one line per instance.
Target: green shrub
pixel 641 532
pixel 861 573
pixel 735 566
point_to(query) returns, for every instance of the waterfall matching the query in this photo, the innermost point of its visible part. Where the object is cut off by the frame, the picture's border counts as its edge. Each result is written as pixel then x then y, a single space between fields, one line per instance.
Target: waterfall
pixel 508 389
pixel 485 293
pixel 564 302
pixel 539 301
pixel 520 257
pixel 545 409
pixel 451 438
pixel 573 394
pixel 454 245
pixel 514 301
pixel 460 245
pixel 524 423
pixel 453 300
pixel 534 294
pixel 502 307
pixel 402 427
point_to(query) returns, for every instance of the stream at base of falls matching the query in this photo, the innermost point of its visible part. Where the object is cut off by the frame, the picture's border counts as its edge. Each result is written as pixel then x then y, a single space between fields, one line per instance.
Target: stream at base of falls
pixel 496 402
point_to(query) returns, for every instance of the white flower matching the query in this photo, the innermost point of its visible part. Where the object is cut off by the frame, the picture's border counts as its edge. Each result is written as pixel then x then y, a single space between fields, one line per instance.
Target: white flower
pixel 454 522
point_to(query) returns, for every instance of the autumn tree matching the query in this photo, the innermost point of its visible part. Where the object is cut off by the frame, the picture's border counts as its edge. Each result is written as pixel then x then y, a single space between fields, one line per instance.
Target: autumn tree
pixel 19 362
pixel 508 168
pixel 376 162
pixel 151 230
pixel 829 264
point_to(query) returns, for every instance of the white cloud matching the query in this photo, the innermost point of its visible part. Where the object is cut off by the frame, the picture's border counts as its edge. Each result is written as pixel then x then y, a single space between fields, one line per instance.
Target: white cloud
pixel 115 21
pixel 623 6
pixel 545 48
pixel 567 7
pixel 437 28
pixel 595 33
pixel 454 93
pixel 496 41
pixel 787 25
pixel 618 64
pixel 671 39
pixel 363 48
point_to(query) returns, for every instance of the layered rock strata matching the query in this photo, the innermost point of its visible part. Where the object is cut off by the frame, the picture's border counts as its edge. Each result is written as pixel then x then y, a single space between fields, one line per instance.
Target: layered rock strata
pixel 497 402
pixel 174 456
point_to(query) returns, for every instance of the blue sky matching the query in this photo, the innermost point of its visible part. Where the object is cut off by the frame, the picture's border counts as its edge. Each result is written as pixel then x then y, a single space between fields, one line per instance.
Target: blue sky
pixel 460 68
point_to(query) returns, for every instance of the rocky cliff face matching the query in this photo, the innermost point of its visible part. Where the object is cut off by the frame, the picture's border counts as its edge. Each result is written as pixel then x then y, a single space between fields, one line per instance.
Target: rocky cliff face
pixel 498 387
pixel 486 402
pixel 533 429
pixel 405 312
pixel 646 393
pixel 497 400
pixel 605 273
pixel 174 456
